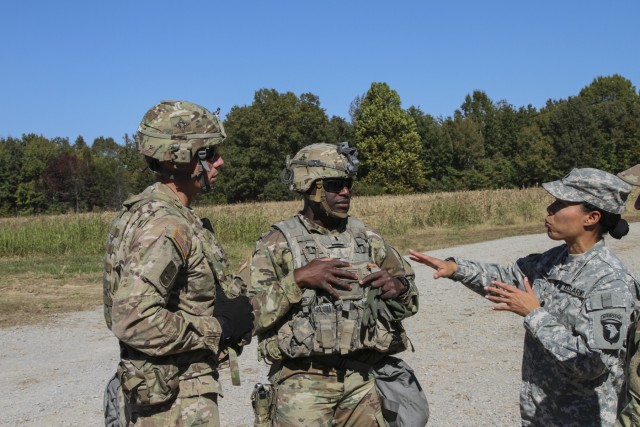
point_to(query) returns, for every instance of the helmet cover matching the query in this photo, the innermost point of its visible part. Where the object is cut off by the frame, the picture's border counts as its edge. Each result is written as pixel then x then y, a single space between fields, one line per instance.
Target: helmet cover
pixel 318 161
pixel 175 130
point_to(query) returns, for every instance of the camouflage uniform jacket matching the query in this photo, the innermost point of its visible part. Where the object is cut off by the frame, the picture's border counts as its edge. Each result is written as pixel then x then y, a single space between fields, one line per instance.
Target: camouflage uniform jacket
pixel 574 349
pixel 277 298
pixel 630 415
pixel 161 267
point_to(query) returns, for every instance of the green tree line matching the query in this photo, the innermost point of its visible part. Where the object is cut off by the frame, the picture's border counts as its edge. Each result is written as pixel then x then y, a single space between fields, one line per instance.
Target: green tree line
pixel 485 144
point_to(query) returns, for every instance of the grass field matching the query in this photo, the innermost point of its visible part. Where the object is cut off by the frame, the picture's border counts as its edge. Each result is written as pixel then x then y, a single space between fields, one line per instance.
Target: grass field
pixel 53 264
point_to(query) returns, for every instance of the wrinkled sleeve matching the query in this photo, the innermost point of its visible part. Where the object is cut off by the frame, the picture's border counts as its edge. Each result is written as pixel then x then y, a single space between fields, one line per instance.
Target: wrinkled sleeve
pixel 476 275
pixel 577 353
pixel 390 260
pixel 584 356
pixel 272 286
pixel 140 316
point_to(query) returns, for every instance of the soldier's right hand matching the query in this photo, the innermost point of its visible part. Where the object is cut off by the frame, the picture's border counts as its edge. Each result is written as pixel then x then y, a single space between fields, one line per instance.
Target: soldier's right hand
pixel 235 316
pixel 325 274
pixel 443 268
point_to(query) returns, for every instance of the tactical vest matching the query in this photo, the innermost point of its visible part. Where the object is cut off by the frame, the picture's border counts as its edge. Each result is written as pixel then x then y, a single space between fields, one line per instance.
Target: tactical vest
pixel 319 325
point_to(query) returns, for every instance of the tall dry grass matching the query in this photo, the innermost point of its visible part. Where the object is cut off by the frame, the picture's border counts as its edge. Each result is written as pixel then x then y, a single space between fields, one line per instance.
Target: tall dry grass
pixel 243 223
pixel 400 219
pixel 53 264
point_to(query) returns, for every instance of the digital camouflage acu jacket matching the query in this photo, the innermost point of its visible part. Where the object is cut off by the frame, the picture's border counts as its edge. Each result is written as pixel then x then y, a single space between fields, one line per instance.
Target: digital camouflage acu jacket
pixel 574 349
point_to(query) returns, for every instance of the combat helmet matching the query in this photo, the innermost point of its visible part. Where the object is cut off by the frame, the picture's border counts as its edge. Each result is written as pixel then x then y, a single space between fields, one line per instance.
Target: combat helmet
pixel 178 132
pixel 316 162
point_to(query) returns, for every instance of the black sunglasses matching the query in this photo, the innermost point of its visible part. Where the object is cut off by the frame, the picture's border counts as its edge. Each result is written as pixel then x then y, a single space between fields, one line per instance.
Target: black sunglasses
pixel 335 185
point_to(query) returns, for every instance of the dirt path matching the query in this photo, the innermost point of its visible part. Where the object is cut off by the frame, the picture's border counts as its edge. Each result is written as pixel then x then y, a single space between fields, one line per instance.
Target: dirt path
pixel 466 356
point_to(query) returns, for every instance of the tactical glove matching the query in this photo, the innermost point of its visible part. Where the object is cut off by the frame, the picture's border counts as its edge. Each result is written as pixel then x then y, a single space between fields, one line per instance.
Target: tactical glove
pixel 235 316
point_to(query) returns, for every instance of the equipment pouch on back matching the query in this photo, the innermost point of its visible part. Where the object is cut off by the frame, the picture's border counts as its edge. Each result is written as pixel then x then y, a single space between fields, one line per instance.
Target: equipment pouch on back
pixel 262 400
pixel 146 384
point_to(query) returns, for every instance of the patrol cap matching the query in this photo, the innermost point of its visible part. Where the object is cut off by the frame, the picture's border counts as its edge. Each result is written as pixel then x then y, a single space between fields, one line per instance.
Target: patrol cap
pixel 598 188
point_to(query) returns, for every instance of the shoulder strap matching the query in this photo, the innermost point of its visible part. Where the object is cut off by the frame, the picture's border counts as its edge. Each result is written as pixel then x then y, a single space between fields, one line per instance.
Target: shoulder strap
pixel 294 232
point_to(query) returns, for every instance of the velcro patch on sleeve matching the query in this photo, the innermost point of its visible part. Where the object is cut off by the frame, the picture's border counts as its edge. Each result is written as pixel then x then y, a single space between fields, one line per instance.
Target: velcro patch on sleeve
pixel 178 237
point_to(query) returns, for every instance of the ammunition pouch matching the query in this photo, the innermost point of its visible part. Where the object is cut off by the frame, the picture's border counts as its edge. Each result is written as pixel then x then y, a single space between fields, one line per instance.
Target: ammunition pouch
pixel 263 403
pixel 145 383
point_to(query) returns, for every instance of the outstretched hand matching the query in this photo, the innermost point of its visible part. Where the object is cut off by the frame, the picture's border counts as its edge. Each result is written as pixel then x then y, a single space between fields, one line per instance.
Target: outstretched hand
pixel 513 299
pixel 325 274
pixel 443 268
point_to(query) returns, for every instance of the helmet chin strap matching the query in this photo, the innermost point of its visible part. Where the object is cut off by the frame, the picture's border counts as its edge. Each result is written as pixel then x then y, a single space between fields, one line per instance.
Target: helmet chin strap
pixel 203 168
pixel 321 197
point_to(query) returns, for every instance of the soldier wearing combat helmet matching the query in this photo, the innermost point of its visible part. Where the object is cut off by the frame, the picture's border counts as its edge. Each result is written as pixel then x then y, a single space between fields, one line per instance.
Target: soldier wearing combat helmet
pixel 168 296
pixel 330 295
pixel 630 415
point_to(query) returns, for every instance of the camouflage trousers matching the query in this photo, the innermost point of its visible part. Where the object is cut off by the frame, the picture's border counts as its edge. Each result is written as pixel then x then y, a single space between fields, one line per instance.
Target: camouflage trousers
pixel 323 398
pixel 185 411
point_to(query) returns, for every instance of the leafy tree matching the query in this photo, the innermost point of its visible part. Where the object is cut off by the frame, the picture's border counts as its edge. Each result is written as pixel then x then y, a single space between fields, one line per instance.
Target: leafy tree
pixel 534 158
pixel 340 130
pixel 11 157
pixel 261 135
pixel 137 175
pixel 38 151
pixel 437 150
pixel 61 183
pixel 388 142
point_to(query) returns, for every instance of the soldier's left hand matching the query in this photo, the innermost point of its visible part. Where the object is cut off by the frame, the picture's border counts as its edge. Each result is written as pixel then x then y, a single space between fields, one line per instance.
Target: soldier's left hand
pixel 391 286
pixel 513 299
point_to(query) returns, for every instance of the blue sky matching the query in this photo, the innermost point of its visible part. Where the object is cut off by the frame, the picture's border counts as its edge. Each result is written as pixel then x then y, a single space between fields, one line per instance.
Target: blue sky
pixel 93 68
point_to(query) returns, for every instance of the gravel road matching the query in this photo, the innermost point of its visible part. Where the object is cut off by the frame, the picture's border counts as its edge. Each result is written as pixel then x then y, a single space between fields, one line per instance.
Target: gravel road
pixel 467 357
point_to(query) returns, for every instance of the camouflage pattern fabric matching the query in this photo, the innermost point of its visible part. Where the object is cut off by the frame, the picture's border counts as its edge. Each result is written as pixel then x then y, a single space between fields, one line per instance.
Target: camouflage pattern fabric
pixel 631 175
pixel 175 130
pixel 275 293
pixel 574 349
pixel 318 161
pixel 596 187
pixel 184 411
pixel 161 266
pixel 327 398
pixel 308 396
pixel 630 415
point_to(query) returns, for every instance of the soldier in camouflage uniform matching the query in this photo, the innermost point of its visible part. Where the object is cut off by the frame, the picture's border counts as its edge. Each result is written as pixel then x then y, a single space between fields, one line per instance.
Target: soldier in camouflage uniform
pixel 166 276
pixel 630 416
pixel 576 300
pixel 330 297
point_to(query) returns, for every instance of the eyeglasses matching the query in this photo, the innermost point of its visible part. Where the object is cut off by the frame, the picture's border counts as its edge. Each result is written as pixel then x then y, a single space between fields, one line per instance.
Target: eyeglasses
pixel 335 185
pixel 208 153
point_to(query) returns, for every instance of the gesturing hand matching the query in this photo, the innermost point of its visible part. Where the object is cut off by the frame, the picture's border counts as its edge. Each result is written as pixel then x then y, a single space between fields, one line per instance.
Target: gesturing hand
pixel 513 299
pixel 443 268
pixel 325 274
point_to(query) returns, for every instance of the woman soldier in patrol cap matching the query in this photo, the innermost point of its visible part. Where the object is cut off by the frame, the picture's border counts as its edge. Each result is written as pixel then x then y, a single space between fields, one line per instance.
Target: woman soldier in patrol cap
pixel 576 300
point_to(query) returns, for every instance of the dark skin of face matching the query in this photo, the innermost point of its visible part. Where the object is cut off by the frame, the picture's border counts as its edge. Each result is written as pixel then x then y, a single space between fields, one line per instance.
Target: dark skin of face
pixel 326 274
